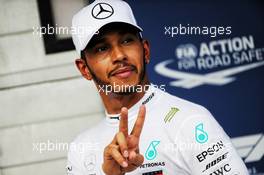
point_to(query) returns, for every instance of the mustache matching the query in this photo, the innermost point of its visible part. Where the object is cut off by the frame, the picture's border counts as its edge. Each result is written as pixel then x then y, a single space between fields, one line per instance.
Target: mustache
pixel 120 65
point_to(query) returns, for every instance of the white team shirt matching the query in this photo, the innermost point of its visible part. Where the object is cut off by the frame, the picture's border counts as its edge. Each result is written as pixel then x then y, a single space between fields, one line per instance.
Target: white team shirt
pixel 178 138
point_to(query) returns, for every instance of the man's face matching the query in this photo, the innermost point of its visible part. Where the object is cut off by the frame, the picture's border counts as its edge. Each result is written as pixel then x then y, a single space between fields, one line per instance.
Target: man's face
pixel 117 58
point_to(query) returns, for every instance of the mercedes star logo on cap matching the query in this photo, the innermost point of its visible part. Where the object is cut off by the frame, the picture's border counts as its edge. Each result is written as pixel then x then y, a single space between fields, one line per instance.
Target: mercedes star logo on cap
pixel 102 11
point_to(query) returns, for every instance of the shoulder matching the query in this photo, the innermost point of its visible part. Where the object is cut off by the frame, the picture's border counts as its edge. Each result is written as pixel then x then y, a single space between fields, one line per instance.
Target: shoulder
pixel 188 118
pixel 184 107
pixel 91 134
pixel 200 140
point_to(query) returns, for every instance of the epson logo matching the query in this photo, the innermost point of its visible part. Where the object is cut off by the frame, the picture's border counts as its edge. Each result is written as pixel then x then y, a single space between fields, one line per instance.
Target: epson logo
pixel 210 151
pixel 222 170
pixel 216 161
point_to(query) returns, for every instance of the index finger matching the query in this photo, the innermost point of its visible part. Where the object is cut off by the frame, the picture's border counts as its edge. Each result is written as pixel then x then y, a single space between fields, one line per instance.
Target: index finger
pixel 139 122
pixel 123 123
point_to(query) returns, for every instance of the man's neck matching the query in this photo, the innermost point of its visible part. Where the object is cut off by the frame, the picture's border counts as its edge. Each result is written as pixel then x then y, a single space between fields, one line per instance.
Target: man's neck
pixel 114 102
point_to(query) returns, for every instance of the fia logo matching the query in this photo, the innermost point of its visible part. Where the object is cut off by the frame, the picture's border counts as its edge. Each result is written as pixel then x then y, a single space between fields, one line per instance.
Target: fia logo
pixel 187 51
pixel 151 152
pixel 200 135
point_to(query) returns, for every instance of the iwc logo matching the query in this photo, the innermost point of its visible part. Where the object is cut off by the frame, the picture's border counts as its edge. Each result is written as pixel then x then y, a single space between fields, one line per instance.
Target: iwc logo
pixel 102 11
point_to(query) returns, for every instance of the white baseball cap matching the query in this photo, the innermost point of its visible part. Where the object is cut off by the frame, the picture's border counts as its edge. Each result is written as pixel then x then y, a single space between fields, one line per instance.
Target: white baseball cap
pixel 87 22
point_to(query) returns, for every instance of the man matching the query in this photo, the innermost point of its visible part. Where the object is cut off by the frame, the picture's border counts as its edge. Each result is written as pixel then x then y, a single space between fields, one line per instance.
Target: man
pixel 146 130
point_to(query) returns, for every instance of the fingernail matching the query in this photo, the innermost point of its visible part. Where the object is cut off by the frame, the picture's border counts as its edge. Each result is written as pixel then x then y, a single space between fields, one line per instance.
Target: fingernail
pixel 125 153
pixel 124 164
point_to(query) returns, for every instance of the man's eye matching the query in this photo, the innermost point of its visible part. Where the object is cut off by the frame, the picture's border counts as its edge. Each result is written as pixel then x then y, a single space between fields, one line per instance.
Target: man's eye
pixel 101 49
pixel 127 40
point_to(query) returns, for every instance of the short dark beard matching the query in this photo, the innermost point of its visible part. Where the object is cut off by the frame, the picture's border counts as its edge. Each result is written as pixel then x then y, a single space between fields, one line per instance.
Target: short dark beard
pixel 97 80
pixel 132 89
pixel 129 91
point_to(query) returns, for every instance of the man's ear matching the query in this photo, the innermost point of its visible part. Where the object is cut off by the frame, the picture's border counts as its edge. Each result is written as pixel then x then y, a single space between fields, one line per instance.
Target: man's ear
pixel 146 48
pixel 80 63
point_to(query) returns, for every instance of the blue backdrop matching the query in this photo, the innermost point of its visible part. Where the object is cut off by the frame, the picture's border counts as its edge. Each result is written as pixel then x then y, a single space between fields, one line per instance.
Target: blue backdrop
pixel 223 72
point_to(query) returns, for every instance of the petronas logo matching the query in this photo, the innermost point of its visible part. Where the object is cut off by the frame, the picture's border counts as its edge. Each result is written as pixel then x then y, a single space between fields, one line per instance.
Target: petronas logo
pixel 170 114
pixel 151 152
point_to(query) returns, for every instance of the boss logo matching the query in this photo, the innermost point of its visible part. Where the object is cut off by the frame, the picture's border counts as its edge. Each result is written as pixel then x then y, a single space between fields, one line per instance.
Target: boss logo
pixel 216 161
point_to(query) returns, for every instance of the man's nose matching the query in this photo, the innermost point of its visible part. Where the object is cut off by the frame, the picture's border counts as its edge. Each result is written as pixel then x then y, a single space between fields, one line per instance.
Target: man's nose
pixel 117 54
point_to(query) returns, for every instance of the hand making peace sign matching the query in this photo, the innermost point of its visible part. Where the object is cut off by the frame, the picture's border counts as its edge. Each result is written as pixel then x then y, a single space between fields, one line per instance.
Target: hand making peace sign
pixel 122 154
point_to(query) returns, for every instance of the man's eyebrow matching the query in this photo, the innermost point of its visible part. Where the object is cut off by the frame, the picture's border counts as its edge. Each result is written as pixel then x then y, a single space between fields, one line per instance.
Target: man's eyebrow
pixel 96 41
pixel 122 32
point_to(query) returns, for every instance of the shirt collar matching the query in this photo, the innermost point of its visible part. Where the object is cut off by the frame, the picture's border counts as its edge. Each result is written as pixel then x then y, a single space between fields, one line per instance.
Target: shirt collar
pixel 147 100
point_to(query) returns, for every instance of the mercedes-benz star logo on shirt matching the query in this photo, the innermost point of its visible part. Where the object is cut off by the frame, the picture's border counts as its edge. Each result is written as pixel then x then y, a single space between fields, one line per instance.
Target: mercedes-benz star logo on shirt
pixel 102 11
